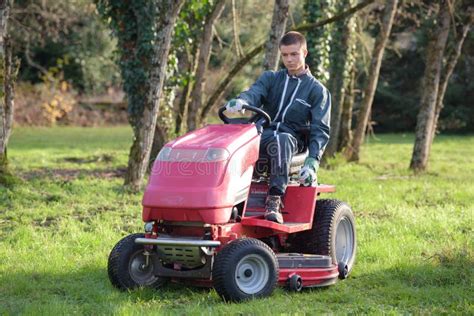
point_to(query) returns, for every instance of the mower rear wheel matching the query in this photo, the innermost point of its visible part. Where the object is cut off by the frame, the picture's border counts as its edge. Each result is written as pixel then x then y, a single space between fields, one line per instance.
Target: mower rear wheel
pixel 333 234
pixel 127 266
pixel 244 269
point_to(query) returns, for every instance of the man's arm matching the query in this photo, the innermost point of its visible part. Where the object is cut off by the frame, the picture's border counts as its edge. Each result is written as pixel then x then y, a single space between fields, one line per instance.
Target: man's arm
pixel 320 124
pixel 258 92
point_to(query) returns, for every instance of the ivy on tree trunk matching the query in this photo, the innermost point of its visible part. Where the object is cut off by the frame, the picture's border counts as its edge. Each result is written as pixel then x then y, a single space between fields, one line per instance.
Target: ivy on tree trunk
pixel 144 132
pixel 346 117
pixel 144 30
pixel 319 39
pixel 341 64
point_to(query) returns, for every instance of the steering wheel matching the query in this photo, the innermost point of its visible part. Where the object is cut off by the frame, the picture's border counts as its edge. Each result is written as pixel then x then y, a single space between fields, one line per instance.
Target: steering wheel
pixel 264 119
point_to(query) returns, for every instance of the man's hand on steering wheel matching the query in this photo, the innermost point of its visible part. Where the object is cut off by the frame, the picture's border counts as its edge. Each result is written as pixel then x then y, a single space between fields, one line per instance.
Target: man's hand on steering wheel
pixel 235 105
pixel 261 118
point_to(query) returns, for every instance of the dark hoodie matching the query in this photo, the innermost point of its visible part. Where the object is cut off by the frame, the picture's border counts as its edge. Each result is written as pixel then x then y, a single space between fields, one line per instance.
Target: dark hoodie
pixel 293 102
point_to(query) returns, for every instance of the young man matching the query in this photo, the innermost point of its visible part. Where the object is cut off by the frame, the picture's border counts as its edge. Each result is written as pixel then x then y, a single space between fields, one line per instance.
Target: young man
pixel 293 98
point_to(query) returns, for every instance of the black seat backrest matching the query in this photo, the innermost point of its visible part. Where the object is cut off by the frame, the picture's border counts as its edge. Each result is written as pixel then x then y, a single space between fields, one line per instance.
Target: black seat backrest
pixel 304 131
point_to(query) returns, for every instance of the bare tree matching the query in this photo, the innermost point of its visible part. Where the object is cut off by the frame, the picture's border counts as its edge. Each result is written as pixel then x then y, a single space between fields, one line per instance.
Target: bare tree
pixel 452 60
pixel 374 70
pixel 140 151
pixel 280 16
pixel 203 61
pixel 187 64
pixel 438 36
pixel 236 31
pixel 8 71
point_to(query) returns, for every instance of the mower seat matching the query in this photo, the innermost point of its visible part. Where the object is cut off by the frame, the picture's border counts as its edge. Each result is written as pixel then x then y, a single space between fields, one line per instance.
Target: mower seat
pixel 298 161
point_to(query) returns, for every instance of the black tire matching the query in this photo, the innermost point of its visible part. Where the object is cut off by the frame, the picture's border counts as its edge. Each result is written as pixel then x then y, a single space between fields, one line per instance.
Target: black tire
pixel 245 268
pixel 330 216
pixel 124 266
pixel 295 283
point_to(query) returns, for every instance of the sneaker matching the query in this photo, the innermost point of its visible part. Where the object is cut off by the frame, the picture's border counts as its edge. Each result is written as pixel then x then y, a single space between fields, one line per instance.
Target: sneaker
pixel 273 207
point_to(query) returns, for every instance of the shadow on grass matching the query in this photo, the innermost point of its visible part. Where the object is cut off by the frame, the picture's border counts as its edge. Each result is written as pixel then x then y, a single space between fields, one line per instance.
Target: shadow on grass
pixel 436 284
pixel 433 284
pixel 88 288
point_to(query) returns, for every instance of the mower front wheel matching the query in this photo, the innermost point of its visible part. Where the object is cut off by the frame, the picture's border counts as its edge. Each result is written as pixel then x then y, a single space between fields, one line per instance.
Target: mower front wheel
pixel 128 267
pixel 244 269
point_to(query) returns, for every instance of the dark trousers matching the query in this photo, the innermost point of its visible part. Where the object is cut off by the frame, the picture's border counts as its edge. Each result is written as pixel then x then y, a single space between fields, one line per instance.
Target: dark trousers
pixel 276 151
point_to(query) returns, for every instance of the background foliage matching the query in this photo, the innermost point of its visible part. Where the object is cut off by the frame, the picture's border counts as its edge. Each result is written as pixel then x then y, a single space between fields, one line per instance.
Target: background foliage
pixel 70 39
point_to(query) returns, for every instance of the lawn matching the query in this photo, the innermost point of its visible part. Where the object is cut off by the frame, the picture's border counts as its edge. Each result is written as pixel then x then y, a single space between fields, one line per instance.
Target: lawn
pixel 60 220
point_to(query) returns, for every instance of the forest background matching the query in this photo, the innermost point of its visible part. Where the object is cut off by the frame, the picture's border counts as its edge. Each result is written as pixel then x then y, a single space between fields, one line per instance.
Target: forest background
pixel 69 43
pixel 90 63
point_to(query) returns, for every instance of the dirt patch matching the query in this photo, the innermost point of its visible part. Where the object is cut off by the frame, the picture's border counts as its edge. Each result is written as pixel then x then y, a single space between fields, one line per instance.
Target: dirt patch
pixel 378 214
pixel 392 177
pixel 48 221
pixel 72 174
pixel 92 159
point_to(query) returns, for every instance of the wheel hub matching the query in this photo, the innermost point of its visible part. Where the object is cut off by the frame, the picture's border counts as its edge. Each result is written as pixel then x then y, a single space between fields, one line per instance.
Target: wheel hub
pixel 140 272
pixel 252 274
pixel 344 240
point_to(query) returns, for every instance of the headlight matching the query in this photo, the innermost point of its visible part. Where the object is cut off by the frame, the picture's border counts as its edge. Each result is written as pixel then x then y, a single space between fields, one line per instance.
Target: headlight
pixel 164 154
pixel 192 155
pixel 148 227
pixel 217 154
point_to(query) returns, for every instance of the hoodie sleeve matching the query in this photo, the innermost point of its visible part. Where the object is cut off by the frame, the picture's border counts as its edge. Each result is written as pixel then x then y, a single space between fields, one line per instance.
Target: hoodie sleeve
pixel 258 92
pixel 320 123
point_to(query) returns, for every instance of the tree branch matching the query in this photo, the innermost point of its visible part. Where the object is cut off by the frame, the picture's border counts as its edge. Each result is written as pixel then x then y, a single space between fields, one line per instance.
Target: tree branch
pixel 343 15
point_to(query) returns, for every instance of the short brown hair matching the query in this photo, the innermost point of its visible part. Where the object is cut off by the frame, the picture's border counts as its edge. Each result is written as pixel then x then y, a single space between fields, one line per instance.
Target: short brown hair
pixel 293 37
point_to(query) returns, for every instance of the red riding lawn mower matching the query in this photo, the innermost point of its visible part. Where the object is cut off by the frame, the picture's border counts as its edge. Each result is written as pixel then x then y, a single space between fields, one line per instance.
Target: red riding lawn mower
pixel 203 212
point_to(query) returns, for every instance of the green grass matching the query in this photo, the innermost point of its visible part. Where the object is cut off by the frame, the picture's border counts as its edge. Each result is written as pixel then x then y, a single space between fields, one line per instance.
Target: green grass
pixel 61 219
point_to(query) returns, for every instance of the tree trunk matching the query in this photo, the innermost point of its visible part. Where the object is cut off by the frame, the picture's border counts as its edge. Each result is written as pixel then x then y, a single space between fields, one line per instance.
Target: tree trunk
pixel 6 86
pixel 446 75
pixel 346 117
pixel 212 101
pixel 425 119
pixel 272 52
pixel 187 65
pixel 203 60
pixel 341 63
pixel 374 70
pixel 144 130
pixel 159 140
pixel 164 122
pixel 236 31
pixel 183 101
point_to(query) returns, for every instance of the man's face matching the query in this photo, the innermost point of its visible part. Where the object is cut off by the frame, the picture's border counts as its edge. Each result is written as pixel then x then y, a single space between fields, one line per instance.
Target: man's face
pixel 293 57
